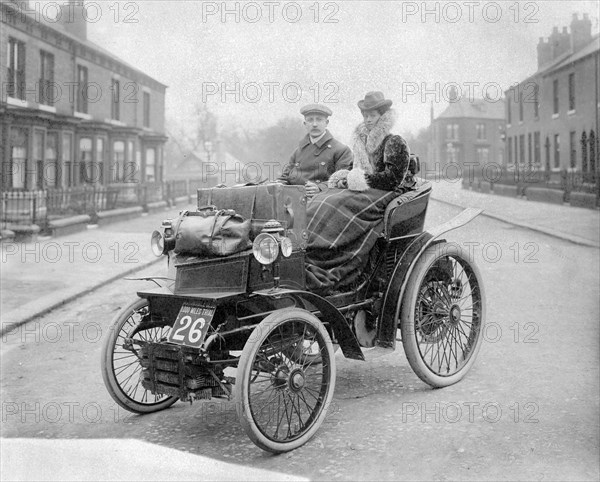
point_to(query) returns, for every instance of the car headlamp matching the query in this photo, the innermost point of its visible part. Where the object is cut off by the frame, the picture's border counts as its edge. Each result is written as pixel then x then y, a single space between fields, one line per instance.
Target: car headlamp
pixel 265 248
pixel 162 243
pixel 157 243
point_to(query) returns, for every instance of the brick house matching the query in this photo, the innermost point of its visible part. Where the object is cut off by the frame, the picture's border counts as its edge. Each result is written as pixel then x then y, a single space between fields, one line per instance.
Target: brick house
pixel 552 116
pixel 467 133
pixel 71 113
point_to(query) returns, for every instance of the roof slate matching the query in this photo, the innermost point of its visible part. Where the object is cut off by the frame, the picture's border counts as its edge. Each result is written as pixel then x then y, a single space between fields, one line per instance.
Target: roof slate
pixel 474 108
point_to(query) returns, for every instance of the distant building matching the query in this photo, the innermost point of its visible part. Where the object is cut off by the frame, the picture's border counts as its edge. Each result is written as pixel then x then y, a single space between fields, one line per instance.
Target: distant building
pixel 209 168
pixel 72 113
pixel 552 116
pixel 468 132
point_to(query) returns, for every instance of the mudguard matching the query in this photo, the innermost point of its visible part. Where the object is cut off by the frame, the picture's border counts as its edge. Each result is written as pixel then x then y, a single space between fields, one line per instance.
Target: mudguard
pixel 386 336
pixel 343 333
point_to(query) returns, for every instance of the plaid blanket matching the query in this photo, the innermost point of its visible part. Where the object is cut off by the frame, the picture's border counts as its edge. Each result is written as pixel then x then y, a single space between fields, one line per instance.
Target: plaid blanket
pixel 343 227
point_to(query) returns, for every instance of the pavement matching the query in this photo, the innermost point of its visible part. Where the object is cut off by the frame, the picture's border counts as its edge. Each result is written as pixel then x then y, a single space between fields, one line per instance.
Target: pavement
pixel 150 462
pixel 38 277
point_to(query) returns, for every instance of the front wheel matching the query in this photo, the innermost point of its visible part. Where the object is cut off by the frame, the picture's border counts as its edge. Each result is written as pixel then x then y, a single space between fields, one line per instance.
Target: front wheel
pixel 121 368
pixel 442 315
pixel 285 380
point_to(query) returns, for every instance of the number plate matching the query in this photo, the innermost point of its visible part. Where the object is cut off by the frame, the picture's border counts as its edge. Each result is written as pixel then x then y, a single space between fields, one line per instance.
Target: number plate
pixel 192 324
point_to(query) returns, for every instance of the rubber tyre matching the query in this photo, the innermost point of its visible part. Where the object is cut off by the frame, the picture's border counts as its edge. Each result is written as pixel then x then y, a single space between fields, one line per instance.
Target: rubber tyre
pixel 112 352
pixel 425 275
pixel 277 372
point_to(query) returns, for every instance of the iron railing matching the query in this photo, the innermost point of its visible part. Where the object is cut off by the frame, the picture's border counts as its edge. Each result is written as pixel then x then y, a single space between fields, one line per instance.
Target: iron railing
pixel 41 206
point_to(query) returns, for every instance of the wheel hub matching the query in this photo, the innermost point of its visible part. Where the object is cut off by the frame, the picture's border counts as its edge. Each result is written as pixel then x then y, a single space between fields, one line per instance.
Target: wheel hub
pixel 297 380
pixel 455 314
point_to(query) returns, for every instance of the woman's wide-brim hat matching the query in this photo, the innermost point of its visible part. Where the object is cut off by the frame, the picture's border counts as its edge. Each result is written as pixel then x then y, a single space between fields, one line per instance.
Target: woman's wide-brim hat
pixel 374 100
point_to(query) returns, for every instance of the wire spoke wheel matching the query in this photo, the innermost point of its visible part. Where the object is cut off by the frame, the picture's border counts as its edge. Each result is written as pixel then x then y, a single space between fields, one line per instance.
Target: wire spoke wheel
pixel 121 367
pixel 443 313
pixel 285 381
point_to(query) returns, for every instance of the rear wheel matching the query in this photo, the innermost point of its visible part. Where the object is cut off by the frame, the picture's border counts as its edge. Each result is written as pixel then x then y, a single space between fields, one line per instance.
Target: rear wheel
pixel 121 368
pixel 285 380
pixel 442 315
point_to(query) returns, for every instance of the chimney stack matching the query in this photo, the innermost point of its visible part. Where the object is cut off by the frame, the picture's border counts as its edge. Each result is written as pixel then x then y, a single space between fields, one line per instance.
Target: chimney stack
pixel 581 31
pixel 73 19
pixel 544 52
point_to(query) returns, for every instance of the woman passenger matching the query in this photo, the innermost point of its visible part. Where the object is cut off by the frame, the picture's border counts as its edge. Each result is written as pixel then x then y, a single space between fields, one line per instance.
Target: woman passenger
pixel 381 159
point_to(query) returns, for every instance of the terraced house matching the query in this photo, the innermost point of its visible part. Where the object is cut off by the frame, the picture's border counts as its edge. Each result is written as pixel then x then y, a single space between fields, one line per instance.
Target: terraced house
pixel 74 117
pixel 552 116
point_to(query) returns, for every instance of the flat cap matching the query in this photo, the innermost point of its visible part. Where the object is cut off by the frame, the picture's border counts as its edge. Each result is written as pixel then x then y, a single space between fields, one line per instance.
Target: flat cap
pixel 316 109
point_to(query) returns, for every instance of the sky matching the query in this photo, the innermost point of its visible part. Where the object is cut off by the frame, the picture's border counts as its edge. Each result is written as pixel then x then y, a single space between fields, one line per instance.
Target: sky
pixel 264 60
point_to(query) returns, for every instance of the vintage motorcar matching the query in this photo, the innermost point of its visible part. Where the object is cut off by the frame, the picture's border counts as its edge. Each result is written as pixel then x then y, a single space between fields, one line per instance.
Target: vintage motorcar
pixel 245 327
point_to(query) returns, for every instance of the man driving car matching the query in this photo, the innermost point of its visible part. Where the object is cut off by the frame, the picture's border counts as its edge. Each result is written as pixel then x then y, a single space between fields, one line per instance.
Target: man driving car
pixel 318 154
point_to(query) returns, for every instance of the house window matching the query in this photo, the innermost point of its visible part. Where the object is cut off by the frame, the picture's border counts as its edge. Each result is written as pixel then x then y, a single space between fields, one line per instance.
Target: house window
pixel 146 109
pixel 100 159
pixel 555 96
pixel 529 150
pixel 510 155
pixel 522 149
pixel 51 169
pixel 37 173
pixel 547 149
pixel 114 110
pixel 483 155
pixel 132 167
pixel 481 134
pixel 452 132
pixel 537 155
pixel 584 152
pixel 536 101
pixel 118 164
pixel 19 141
pixel 520 106
pixel 82 94
pixel 593 150
pixel 573 150
pixel 67 159
pixel 556 151
pixel 16 69
pixel 451 154
pixel 86 166
pixel 516 150
pixel 509 110
pixel 571 91
pixel 150 164
pixel 47 94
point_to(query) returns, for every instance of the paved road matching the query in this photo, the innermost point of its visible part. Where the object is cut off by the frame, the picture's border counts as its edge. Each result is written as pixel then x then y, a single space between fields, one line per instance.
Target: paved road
pixel 529 409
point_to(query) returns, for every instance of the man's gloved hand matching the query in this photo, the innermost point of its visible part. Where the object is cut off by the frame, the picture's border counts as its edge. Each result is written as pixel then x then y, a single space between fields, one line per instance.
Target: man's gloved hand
pixel 311 189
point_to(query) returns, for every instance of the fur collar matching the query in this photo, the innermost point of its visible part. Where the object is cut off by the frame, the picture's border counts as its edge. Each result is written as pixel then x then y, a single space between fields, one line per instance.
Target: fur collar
pixel 366 142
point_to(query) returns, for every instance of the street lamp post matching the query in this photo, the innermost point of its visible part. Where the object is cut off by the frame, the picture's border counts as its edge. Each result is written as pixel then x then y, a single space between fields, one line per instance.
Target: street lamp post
pixel 208 149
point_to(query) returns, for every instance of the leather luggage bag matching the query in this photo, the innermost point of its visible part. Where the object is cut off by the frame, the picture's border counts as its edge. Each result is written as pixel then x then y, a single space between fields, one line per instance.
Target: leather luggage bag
pixel 261 203
pixel 211 232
